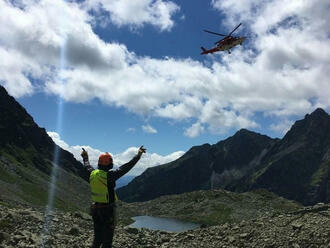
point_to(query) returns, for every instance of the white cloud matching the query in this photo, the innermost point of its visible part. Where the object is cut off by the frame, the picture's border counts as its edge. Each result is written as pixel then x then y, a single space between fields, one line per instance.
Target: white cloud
pixel 14 68
pixel 282 127
pixel 221 120
pixel 57 139
pixel 137 13
pixel 131 129
pixel 148 129
pixel 147 160
pixel 286 73
pixel 195 130
pixel 76 150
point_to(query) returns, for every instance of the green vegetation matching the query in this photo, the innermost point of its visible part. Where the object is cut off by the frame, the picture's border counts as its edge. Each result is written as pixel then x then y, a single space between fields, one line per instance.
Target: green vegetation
pixel 220 214
pixel 29 185
pixel 210 207
pixel 259 173
pixel 6 154
pixel 33 193
pixel 217 214
pixel 320 174
pixel 6 204
pixel 6 176
pixel 67 205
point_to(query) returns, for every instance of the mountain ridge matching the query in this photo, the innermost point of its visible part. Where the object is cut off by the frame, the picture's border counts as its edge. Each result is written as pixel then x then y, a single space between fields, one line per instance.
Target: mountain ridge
pixel 296 167
pixel 193 170
pixel 26 161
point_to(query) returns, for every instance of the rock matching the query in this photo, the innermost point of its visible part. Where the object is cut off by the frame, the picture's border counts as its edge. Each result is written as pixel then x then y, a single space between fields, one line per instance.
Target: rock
pixel 131 230
pixel 203 226
pixel 231 239
pixel 244 235
pixel 235 227
pixel 296 226
pixel 82 215
pixel 3 237
pixel 18 238
pixel 24 212
pixel 73 231
pixel 55 220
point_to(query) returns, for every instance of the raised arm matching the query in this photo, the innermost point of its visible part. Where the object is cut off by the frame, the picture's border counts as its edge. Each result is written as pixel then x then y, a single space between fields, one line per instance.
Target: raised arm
pixel 122 170
pixel 86 163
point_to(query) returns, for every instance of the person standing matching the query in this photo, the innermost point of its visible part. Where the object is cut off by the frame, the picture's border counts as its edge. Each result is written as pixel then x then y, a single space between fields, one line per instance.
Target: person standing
pixel 103 182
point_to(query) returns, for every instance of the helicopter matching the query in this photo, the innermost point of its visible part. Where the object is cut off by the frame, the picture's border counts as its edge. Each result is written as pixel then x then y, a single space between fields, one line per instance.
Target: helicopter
pixel 226 43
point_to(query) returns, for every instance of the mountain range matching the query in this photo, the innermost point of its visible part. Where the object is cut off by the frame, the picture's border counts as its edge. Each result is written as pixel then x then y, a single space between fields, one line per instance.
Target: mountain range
pixel 296 167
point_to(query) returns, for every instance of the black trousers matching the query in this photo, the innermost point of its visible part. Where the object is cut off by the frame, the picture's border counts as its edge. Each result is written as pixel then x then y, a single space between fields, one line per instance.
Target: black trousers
pixel 104 220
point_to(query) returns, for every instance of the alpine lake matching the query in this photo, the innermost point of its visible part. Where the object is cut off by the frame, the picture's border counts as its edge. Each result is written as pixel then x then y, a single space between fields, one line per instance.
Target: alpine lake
pixel 162 224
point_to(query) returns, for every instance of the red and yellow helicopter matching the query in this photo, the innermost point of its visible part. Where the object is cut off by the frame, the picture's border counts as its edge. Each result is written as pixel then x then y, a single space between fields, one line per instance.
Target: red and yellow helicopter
pixel 226 43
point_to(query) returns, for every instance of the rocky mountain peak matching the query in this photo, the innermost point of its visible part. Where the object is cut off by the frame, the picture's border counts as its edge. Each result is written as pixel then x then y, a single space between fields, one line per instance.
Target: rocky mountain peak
pixel 317 113
pixel 243 131
pixel 8 105
pixel 243 139
pixel 315 126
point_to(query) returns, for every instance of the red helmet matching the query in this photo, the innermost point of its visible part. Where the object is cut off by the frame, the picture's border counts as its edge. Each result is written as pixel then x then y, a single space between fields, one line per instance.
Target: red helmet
pixel 105 159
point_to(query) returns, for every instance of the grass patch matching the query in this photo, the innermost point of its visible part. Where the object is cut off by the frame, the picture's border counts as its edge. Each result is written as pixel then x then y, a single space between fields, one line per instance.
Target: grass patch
pixel 10 157
pixel 184 210
pixel 33 193
pixel 220 214
pixel 217 214
pixel 320 174
pixel 5 204
pixel 258 173
pixel 6 176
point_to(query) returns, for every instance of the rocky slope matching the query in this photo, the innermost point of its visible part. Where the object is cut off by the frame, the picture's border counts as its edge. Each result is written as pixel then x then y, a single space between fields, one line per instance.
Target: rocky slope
pixel 296 167
pixel 23 226
pixel 26 155
pixel 202 167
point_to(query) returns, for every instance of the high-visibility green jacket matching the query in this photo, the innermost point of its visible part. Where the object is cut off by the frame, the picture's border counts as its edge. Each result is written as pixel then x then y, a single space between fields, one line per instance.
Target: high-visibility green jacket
pixel 103 182
pixel 98 181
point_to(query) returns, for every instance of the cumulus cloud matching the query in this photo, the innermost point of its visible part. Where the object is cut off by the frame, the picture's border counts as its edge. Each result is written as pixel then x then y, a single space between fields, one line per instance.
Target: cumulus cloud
pixel 148 129
pixel 13 68
pixel 137 13
pixel 195 130
pixel 281 127
pixel 284 71
pixel 77 149
pixel 147 160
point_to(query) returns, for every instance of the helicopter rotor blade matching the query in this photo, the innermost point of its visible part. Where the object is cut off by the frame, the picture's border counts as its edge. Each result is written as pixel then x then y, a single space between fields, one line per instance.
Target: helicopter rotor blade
pixel 207 31
pixel 234 29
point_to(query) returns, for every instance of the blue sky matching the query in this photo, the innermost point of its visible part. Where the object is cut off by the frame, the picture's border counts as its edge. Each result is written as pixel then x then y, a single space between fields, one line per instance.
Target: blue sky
pixel 113 75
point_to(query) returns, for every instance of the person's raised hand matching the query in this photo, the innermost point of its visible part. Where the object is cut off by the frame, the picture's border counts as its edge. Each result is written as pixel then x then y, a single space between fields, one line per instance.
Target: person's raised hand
pixel 141 150
pixel 84 154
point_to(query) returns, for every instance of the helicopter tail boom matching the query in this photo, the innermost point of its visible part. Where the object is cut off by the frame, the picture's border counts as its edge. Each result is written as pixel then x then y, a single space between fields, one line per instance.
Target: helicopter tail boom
pixel 209 51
